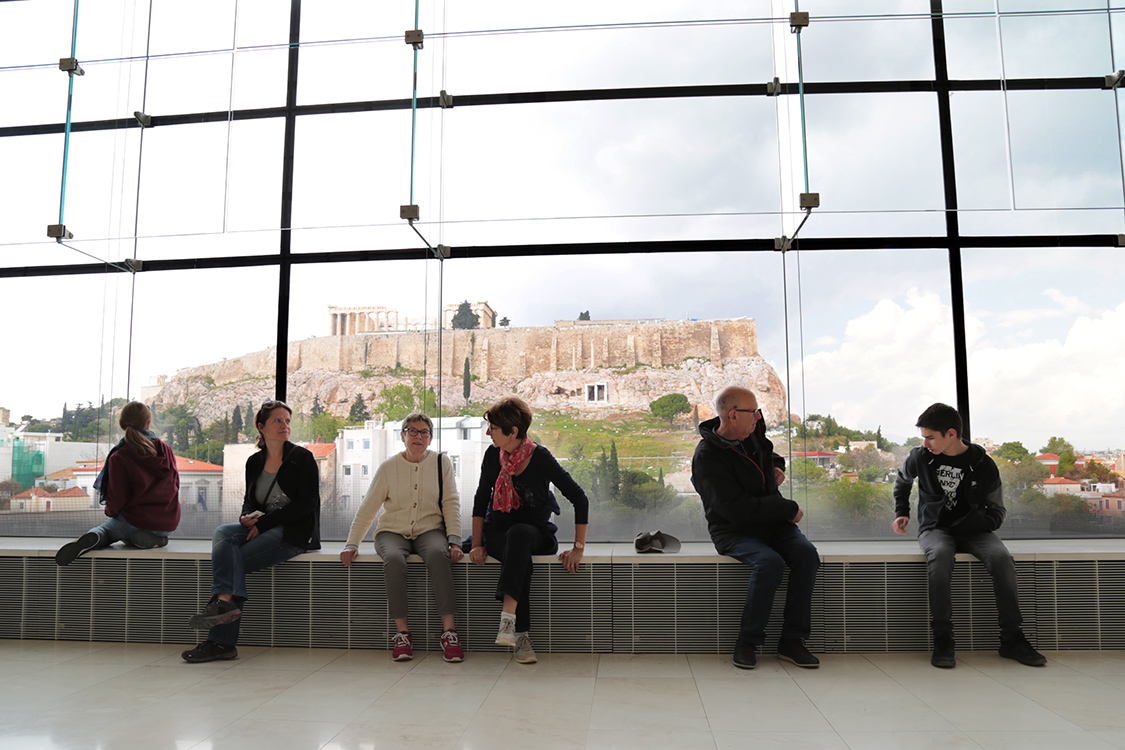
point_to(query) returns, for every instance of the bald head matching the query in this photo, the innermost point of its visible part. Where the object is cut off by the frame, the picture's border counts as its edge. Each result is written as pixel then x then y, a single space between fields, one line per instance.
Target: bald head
pixel 737 409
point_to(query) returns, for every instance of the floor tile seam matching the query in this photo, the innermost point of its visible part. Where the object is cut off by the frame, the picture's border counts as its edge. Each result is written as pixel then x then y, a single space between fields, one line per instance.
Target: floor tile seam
pixel 811 700
pixel 961 732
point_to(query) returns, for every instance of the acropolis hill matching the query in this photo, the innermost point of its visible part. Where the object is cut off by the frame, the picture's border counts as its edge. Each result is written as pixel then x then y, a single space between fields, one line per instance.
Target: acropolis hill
pixel 559 366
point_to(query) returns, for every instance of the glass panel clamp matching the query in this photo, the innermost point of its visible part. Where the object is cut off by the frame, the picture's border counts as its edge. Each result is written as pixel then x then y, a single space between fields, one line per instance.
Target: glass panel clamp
pixel 810 200
pixel 773 88
pixel 1113 80
pixel 442 251
pixel 143 119
pixel 71 66
pixel 446 99
pixel 798 21
pixel 410 213
pixel 414 38
pixel 59 232
pixel 134 264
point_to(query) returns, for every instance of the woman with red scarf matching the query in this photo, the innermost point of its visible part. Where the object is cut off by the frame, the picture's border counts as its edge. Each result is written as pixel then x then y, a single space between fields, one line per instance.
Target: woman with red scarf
pixel 512 516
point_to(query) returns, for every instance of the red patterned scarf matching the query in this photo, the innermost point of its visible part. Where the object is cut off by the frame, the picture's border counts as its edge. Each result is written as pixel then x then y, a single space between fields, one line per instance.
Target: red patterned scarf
pixel 504 496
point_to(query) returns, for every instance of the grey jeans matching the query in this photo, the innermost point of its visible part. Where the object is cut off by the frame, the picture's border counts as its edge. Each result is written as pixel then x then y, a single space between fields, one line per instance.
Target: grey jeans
pixel 433 548
pixel 940 547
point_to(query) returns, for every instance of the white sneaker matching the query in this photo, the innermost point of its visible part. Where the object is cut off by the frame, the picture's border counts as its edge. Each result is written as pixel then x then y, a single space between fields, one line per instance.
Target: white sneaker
pixel 506 636
pixel 525 654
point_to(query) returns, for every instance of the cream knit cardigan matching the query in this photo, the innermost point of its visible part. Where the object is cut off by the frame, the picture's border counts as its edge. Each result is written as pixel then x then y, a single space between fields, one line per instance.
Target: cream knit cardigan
pixel 408 495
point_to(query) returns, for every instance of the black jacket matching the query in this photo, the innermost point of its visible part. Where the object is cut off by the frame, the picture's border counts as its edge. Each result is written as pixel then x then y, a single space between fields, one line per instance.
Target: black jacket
pixel 986 502
pixel 299 479
pixel 738 487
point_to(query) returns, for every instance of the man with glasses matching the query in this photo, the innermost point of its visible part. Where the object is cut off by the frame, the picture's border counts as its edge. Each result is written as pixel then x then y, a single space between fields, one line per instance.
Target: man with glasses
pixel 960 506
pixel 737 475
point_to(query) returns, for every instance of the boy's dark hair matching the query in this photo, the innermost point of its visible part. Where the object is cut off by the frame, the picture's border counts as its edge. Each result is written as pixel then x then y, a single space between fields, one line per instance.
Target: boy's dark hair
pixel 941 418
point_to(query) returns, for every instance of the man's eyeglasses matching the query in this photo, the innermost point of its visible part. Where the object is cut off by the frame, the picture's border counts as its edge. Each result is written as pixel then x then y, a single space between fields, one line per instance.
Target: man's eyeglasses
pixel 416 433
pixel 756 412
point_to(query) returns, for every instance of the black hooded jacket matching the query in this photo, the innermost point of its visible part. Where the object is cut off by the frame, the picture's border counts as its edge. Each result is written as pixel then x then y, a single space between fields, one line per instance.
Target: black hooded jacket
pixel 737 485
pixel 986 502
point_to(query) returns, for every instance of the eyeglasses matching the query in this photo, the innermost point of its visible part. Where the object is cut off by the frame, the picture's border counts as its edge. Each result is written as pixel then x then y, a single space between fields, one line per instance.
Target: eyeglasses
pixel 271 405
pixel 756 412
pixel 415 433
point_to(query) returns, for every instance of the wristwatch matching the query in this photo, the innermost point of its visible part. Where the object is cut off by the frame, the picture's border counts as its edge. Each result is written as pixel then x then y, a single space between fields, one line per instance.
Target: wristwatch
pixel 580 545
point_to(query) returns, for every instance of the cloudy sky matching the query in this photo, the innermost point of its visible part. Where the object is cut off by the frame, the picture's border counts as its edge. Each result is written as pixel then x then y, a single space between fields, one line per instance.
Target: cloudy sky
pixel 869 334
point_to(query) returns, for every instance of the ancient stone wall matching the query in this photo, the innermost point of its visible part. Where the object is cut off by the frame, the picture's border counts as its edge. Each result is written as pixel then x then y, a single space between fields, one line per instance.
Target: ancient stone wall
pixel 506 353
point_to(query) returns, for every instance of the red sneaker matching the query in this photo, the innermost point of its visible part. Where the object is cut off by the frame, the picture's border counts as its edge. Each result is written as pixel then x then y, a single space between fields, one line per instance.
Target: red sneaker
pixel 451 646
pixel 404 650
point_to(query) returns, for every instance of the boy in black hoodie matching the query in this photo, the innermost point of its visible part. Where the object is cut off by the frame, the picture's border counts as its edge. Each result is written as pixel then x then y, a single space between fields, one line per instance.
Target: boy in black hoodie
pixel 960 506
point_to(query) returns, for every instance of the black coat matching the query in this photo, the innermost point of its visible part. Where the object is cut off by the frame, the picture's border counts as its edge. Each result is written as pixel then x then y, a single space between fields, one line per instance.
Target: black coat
pixel 299 479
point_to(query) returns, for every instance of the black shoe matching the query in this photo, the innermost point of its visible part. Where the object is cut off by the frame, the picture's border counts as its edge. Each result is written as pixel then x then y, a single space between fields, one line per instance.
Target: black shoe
pixel 217 612
pixel 210 651
pixel 944 657
pixel 68 553
pixel 793 650
pixel 745 655
pixel 1016 647
pixel 147 540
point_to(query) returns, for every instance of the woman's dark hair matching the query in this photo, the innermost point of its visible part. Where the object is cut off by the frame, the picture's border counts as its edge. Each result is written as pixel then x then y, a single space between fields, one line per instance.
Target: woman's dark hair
pixel 135 418
pixel 263 414
pixel 508 413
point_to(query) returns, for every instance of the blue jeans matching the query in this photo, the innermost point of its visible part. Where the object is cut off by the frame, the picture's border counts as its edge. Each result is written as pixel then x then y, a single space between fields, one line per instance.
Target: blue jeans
pixel 232 557
pixel 940 547
pixel 117 529
pixel 768 555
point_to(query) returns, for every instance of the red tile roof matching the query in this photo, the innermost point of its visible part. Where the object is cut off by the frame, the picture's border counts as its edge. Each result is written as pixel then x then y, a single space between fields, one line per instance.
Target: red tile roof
pixel 40 492
pixel 1060 480
pixel 320 450
pixel 1047 457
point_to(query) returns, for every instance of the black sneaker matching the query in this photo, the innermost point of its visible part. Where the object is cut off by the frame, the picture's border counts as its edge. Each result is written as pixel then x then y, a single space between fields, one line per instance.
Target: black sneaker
pixel 147 540
pixel 1016 647
pixel 217 612
pixel 210 651
pixel 745 655
pixel 943 656
pixel 69 552
pixel 793 650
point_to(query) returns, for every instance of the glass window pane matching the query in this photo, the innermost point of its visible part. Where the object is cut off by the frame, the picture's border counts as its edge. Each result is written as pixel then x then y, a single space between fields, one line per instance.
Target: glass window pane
pixel 865 41
pixel 51 25
pixel 196 27
pixel 189 83
pixel 1056 45
pixel 652 167
pixel 211 178
pixel 868 358
pixel 31 202
pixel 40 93
pixel 1045 356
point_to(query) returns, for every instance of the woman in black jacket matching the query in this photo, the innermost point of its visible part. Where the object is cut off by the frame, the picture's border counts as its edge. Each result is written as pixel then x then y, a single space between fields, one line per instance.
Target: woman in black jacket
pixel 280 519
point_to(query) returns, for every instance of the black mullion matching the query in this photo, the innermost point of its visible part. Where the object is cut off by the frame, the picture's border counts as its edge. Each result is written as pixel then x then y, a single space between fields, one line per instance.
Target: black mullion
pixel 952 223
pixel 577 95
pixel 651 247
pixel 284 265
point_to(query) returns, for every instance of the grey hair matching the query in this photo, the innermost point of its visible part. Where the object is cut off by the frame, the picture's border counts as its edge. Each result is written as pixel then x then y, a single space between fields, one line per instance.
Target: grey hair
pixel 417 417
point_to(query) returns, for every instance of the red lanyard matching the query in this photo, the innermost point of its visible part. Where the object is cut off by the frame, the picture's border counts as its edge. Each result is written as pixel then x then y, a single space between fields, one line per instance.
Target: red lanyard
pixel 759 468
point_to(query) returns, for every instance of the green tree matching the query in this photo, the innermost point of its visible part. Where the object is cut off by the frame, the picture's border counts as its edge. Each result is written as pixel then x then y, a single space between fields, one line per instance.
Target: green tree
pixel 859 501
pixel 669 405
pixel 504 322
pixel 9 488
pixel 1057 445
pixel 806 471
pixel 914 442
pixel 613 475
pixel 398 401
pixel 323 428
pixel 1018 476
pixel 584 315
pixel 236 421
pixel 1012 451
pixel 317 409
pixel 465 318
pixel 359 412
pixel 466 381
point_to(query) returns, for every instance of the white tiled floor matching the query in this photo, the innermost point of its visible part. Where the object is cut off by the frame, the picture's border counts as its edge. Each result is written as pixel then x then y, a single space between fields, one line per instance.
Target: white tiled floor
pixel 56 695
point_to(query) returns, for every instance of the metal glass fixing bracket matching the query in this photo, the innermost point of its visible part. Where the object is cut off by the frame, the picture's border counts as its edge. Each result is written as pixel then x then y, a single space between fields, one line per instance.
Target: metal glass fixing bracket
pixel 798 21
pixel 442 251
pixel 1113 80
pixel 810 200
pixel 143 119
pixel 414 38
pixel 410 213
pixel 70 65
pixel 446 99
pixel 773 88
pixel 59 232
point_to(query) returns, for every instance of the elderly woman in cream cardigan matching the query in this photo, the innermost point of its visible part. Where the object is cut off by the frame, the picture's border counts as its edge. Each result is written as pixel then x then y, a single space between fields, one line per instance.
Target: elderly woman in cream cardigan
pixel 418 495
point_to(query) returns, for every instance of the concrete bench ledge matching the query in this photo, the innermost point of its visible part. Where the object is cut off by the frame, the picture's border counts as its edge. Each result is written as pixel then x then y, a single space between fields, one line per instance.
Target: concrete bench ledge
pixel 623 552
